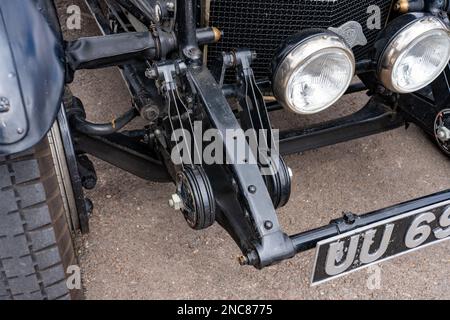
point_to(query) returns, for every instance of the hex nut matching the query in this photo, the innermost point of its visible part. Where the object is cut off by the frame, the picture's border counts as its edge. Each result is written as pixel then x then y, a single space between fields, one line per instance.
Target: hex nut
pixel 175 202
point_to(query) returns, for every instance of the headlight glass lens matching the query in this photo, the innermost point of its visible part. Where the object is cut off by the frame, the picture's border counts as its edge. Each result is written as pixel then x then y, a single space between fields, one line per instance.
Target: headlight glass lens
pixel 312 72
pixel 416 54
pixel 320 81
pixel 421 62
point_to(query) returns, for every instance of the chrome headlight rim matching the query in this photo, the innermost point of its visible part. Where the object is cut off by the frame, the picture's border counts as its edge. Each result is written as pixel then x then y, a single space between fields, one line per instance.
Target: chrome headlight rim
pixel 409 35
pixel 305 50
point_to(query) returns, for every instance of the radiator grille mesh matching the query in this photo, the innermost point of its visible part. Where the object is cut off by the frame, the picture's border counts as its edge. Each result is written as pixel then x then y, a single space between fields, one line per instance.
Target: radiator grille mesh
pixel 261 25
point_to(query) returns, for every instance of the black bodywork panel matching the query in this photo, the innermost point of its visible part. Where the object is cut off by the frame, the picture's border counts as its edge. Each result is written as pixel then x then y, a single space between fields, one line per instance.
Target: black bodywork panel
pixel 31 72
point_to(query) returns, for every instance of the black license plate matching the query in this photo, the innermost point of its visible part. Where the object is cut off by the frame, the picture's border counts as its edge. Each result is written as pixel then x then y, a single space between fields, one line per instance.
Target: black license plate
pixel 381 241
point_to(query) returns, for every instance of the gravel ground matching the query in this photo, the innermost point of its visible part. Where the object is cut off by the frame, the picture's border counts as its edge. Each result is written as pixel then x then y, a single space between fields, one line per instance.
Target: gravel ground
pixel 139 248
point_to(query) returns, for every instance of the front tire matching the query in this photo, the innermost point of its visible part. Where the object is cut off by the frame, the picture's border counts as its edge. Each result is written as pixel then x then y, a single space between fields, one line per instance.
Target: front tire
pixel 36 245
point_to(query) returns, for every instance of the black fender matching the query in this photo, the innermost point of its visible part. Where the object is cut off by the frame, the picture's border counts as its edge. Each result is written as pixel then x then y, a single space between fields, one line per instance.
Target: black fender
pixel 32 72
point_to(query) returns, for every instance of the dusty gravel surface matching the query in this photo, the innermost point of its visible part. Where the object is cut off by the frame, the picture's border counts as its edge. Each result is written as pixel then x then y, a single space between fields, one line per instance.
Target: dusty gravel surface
pixel 140 249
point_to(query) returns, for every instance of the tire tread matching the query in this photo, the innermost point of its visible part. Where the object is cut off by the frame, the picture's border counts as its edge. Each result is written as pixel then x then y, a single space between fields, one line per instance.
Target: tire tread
pixel 35 241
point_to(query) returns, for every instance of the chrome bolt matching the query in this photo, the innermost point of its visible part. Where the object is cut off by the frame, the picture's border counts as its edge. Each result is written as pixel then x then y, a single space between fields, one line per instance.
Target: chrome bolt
pixel 151 73
pixel 175 202
pixel 170 6
pixel 193 53
pixel 443 134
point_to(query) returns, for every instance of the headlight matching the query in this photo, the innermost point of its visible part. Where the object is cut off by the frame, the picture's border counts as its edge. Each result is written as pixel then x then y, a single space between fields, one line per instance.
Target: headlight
pixel 415 55
pixel 311 72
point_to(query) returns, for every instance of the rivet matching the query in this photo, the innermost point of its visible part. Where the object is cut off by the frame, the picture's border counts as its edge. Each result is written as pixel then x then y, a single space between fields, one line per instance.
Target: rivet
pixel 252 189
pixel 268 225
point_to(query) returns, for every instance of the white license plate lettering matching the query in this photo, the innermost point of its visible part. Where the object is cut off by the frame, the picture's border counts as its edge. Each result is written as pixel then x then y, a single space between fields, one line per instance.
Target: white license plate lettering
pixel 381 241
pixel 444 225
pixel 420 230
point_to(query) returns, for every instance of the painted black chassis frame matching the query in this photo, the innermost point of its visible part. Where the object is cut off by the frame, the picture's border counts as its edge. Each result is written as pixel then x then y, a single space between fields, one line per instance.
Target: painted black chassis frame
pixel 246 223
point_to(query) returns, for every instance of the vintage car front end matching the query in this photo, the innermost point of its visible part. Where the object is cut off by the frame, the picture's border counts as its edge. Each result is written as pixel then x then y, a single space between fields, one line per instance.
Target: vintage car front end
pixel 235 61
pixel 223 65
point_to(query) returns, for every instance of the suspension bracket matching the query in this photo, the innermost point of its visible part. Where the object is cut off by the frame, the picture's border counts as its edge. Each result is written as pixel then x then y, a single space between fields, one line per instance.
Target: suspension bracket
pixel 249 216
